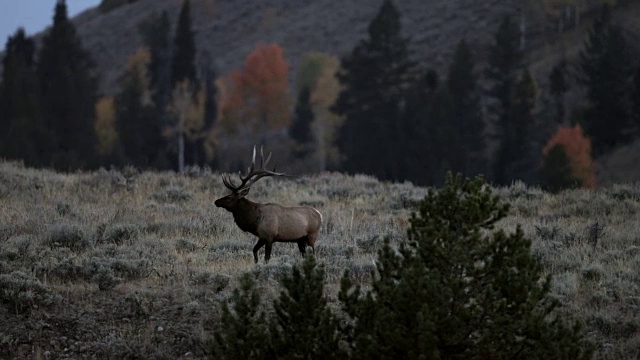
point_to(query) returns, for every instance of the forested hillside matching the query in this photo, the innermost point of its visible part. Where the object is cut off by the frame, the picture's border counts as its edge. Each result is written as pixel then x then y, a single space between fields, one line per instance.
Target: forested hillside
pixel 491 87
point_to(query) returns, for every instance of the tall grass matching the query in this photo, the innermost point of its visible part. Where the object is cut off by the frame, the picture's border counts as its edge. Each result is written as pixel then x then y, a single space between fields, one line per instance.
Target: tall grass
pixel 108 264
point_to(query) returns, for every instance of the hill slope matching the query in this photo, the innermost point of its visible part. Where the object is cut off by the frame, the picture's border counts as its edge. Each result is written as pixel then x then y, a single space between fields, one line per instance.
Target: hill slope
pixel 228 30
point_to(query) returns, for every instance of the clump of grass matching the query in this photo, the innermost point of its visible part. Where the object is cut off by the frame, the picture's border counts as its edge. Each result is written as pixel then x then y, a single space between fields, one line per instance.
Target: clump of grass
pixel 547 233
pixel 272 271
pixel 63 209
pixel 172 194
pixel 133 306
pixel 186 245
pixel 216 282
pixel 371 244
pixel 593 273
pixel 69 236
pixel 227 248
pixel 22 293
pixel 4 267
pixel 105 278
pixel 120 234
pixel 565 284
pixel 7 231
pixel 69 269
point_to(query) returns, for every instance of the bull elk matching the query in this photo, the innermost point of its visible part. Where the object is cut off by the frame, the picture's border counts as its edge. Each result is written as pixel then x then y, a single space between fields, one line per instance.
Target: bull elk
pixel 269 222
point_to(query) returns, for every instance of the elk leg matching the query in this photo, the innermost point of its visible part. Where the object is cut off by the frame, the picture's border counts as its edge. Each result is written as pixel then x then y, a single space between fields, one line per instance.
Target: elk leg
pixel 267 251
pixel 302 245
pixel 256 248
pixel 311 241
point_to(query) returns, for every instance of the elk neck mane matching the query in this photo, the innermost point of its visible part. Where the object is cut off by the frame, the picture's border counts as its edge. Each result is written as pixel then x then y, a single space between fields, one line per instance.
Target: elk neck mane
pixel 246 215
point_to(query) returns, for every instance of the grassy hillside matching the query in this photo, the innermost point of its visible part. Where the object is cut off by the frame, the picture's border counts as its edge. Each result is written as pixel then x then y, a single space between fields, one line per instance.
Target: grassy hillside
pixel 126 264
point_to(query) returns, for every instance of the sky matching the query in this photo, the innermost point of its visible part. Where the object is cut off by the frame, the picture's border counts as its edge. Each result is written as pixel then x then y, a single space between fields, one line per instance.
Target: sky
pixel 33 15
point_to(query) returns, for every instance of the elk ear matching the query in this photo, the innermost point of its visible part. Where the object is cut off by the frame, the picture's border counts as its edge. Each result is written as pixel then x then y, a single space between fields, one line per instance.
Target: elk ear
pixel 242 193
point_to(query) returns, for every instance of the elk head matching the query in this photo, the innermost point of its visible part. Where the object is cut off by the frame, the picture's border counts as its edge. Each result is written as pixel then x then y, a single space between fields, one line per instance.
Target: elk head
pixel 238 192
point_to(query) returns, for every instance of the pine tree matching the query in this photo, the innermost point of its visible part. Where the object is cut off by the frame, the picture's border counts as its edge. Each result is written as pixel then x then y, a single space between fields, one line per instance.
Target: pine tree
pixel 243 332
pixel 301 127
pixel 375 78
pixel 505 62
pixel 303 326
pixel 558 87
pixel 458 288
pixel 635 103
pixel 605 72
pixel 427 122
pixel 469 149
pixel 68 94
pixel 210 113
pixel 139 131
pixel 21 122
pixel 184 51
pixel 556 173
pixel 516 151
pixel 155 36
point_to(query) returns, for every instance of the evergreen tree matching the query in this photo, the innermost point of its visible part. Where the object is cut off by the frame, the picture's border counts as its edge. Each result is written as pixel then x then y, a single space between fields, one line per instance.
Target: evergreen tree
pixel 183 68
pixel 243 332
pixel 140 132
pixel 426 121
pixel 184 49
pixel 635 103
pixel 505 60
pixel 375 78
pixel 468 152
pixel 556 173
pixel 68 94
pixel 301 127
pixel 20 119
pixel 516 151
pixel 558 87
pixel 210 110
pixel 605 72
pixel 155 36
pixel 459 289
pixel 303 326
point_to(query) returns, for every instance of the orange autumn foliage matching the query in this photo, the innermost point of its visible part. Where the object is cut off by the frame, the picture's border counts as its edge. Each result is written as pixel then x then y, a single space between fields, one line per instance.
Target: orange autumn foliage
pixel 578 150
pixel 256 96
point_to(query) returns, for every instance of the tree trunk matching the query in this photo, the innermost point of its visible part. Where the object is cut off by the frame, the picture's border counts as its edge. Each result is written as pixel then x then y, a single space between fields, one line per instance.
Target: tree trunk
pixel 181 142
pixel 523 30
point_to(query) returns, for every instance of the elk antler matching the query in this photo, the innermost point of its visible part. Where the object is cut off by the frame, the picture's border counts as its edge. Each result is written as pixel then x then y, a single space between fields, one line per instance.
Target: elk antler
pixel 253 175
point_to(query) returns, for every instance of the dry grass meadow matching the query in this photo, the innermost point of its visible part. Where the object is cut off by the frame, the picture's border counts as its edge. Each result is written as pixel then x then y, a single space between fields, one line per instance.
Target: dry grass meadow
pixel 127 264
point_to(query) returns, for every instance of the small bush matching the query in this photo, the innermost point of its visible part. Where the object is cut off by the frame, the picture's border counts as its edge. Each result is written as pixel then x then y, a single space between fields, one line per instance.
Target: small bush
pixel 63 209
pixel 217 282
pixel 119 234
pixel 370 245
pixel 172 194
pixel 68 269
pixel 21 293
pixel 69 236
pixel 593 273
pixel 272 271
pixel 132 269
pixel 105 279
pixel 186 245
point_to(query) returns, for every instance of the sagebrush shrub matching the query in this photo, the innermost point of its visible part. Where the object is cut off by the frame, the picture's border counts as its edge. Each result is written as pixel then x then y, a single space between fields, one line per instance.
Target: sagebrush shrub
pixel 70 236
pixel 21 293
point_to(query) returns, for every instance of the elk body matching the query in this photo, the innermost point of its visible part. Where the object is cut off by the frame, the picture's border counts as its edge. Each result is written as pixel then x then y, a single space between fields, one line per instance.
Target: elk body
pixel 269 222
